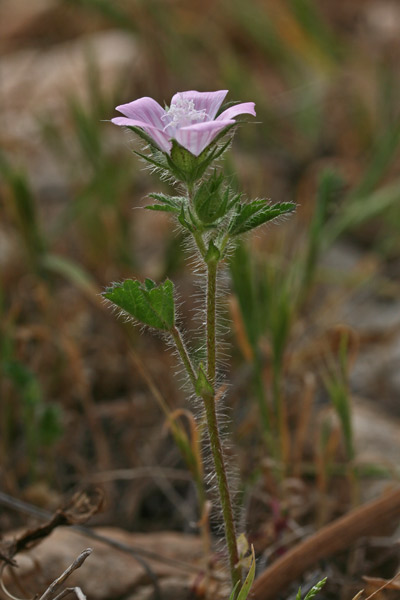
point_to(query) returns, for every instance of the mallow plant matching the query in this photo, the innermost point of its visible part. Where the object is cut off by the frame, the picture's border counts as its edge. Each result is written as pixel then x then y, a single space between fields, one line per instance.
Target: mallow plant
pixel 182 144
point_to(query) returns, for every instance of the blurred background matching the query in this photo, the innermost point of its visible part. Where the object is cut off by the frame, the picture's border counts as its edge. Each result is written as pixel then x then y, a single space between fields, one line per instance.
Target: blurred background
pixel 314 302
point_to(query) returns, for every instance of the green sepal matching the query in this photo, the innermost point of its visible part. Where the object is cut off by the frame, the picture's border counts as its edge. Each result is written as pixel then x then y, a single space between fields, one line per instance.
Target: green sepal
pixel 256 213
pixel 218 151
pixel 190 168
pixel 148 303
pixel 145 137
pixel 183 165
pixel 210 156
pixel 213 146
pixel 213 254
pixel 160 164
pixel 182 158
pixel 227 105
pixel 203 387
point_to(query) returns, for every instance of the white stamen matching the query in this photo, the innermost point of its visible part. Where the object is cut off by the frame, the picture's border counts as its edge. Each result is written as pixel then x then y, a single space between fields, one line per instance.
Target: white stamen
pixel 182 113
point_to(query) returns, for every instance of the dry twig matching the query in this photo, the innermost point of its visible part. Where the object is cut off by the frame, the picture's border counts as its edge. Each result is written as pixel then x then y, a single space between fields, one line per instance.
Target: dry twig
pixel 332 538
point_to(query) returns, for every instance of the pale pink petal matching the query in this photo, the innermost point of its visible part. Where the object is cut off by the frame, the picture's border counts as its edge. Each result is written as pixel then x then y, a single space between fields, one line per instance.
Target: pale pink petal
pixel 208 101
pixel 246 108
pixel 144 109
pixel 160 137
pixel 197 137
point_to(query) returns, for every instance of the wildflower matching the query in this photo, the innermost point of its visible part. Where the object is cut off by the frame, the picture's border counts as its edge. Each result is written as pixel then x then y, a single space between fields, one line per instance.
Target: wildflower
pixel 190 119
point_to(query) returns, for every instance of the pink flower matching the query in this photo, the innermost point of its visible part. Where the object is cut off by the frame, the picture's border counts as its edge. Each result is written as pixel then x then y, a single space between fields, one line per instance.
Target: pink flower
pixel 190 119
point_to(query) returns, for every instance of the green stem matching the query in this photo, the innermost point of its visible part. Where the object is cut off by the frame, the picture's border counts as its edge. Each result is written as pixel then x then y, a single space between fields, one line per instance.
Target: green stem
pixel 211 413
pixel 200 242
pixel 183 353
pixel 223 487
pixel 213 429
pixel 211 320
pixel 196 233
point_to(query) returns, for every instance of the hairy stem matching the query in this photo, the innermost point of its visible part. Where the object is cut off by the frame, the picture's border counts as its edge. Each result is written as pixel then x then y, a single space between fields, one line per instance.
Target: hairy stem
pixel 211 321
pixel 183 353
pixel 213 429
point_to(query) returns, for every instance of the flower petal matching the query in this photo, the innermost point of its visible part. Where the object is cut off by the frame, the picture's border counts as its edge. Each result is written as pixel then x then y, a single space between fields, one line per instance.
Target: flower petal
pixel 160 138
pixel 245 108
pixel 144 109
pixel 208 101
pixel 198 136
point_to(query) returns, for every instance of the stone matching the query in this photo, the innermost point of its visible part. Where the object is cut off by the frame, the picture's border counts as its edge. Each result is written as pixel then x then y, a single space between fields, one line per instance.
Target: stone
pixel 108 572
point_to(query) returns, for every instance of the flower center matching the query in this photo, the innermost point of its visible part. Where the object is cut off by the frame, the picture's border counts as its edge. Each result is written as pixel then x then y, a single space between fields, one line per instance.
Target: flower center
pixel 182 113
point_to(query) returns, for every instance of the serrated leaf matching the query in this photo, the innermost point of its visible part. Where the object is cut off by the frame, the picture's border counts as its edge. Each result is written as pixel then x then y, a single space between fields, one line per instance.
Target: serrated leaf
pixel 256 213
pixel 162 208
pixel 169 203
pixel 150 284
pixel 166 199
pixel 148 303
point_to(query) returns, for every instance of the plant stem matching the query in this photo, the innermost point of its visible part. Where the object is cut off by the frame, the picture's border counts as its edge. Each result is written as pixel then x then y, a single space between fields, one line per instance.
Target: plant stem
pixel 213 429
pixel 212 269
pixel 183 353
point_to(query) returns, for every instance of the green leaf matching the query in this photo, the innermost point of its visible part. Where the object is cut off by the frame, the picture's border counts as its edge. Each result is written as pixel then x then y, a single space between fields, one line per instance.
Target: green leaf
pixel 233 592
pixel 169 203
pixel 148 303
pixel 256 213
pixel 213 254
pixel 315 589
pixel 248 582
pixel 203 387
pixel 161 208
pixel 183 220
pixel 211 201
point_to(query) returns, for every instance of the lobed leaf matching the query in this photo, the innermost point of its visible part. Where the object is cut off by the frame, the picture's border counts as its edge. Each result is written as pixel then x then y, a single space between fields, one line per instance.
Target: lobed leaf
pixel 256 213
pixel 148 303
pixel 169 203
